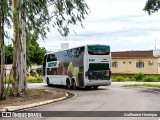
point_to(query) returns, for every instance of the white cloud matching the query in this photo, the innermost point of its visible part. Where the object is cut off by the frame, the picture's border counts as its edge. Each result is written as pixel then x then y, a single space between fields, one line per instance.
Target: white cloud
pixel 120 23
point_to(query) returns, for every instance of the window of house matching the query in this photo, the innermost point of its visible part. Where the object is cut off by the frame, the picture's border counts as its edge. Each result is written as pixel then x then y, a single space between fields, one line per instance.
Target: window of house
pixel 140 64
pixel 130 62
pixel 114 64
pixel 124 62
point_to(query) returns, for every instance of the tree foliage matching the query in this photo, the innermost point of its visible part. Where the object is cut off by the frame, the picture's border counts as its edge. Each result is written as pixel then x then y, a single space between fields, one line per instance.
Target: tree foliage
pixel 152 6
pixel 62 13
pixel 9 54
pixel 35 54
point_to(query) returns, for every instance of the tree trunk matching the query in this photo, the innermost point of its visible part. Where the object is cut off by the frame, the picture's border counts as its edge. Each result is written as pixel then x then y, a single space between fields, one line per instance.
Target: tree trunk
pixel 15 54
pixel 23 51
pixel 2 71
pixel 19 57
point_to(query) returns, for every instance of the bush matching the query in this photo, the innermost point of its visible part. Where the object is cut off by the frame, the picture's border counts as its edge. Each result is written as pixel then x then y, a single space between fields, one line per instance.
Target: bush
pixel 34 73
pixel 10 92
pixel 39 79
pixel 139 76
pixel 39 71
pixel 149 79
pixel 158 79
pixel 118 79
pixel 31 79
pixel 8 80
pixel 132 79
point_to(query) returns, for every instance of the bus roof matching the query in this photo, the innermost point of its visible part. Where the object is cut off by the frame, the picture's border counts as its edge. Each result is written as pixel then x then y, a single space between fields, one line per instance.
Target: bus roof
pixel 76 47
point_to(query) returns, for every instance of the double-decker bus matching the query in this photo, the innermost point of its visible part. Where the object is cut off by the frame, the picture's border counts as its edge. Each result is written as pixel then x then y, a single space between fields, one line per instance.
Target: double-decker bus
pixel 81 67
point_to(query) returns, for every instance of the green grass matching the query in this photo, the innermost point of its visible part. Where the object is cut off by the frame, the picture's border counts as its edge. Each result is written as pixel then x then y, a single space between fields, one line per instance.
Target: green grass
pixel 143 85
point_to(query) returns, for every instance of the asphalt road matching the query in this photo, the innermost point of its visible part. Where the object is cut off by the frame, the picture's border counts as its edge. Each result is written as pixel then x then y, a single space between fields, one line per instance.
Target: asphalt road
pixel 107 98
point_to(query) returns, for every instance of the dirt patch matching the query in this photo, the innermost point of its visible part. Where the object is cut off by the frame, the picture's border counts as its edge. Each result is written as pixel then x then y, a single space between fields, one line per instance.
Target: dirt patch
pixel 33 96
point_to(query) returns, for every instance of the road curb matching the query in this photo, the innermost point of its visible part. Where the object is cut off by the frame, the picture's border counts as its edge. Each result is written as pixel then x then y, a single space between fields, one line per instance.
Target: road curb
pixel 20 107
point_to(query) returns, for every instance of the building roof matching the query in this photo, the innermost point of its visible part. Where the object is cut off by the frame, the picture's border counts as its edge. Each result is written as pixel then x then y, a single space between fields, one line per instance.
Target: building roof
pixel 128 54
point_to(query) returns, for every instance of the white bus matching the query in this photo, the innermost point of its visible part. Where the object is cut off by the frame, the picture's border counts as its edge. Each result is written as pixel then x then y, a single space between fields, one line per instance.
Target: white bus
pixel 81 67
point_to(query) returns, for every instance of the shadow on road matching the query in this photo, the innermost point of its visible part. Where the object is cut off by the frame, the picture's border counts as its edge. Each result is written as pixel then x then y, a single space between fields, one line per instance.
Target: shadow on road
pixel 78 89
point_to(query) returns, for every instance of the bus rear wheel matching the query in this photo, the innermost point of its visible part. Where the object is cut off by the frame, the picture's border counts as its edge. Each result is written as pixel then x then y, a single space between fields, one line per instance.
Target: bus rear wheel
pixel 74 86
pixel 88 87
pixel 68 84
pixel 95 87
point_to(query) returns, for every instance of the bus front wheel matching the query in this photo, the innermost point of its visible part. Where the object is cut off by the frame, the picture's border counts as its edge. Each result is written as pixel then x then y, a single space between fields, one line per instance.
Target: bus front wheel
pixel 48 83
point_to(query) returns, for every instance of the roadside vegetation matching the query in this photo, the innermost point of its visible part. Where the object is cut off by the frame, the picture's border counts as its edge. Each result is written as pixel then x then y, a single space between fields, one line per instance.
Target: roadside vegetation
pixel 34 76
pixel 140 77
pixel 143 85
pixel 30 79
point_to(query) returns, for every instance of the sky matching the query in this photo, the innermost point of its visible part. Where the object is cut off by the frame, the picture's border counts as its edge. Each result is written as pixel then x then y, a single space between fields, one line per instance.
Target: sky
pixel 122 24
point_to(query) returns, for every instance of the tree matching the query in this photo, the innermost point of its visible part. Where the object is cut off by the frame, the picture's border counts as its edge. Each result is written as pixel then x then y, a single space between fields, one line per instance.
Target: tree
pixel 35 53
pixel 4 21
pixel 152 6
pixel 2 75
pixel 8 54
pixel 31 17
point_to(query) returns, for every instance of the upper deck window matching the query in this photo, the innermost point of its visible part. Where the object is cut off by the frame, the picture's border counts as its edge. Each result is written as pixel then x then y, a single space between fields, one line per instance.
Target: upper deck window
pixel 98 50
pixel 51 57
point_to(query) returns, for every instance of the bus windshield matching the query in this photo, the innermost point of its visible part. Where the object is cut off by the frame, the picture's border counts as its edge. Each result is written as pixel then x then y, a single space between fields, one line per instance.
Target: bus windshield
pixel 99 50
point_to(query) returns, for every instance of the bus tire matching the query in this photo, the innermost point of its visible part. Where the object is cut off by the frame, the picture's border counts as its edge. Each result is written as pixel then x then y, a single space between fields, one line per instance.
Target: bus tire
pixel 48 83
pixel 88 87
pixel 74 86
pixel 95 87
pixel 68 84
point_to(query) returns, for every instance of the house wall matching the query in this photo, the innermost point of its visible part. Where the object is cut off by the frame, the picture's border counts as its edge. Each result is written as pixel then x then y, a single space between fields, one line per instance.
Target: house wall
pixel 128 65
pixel 158 65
